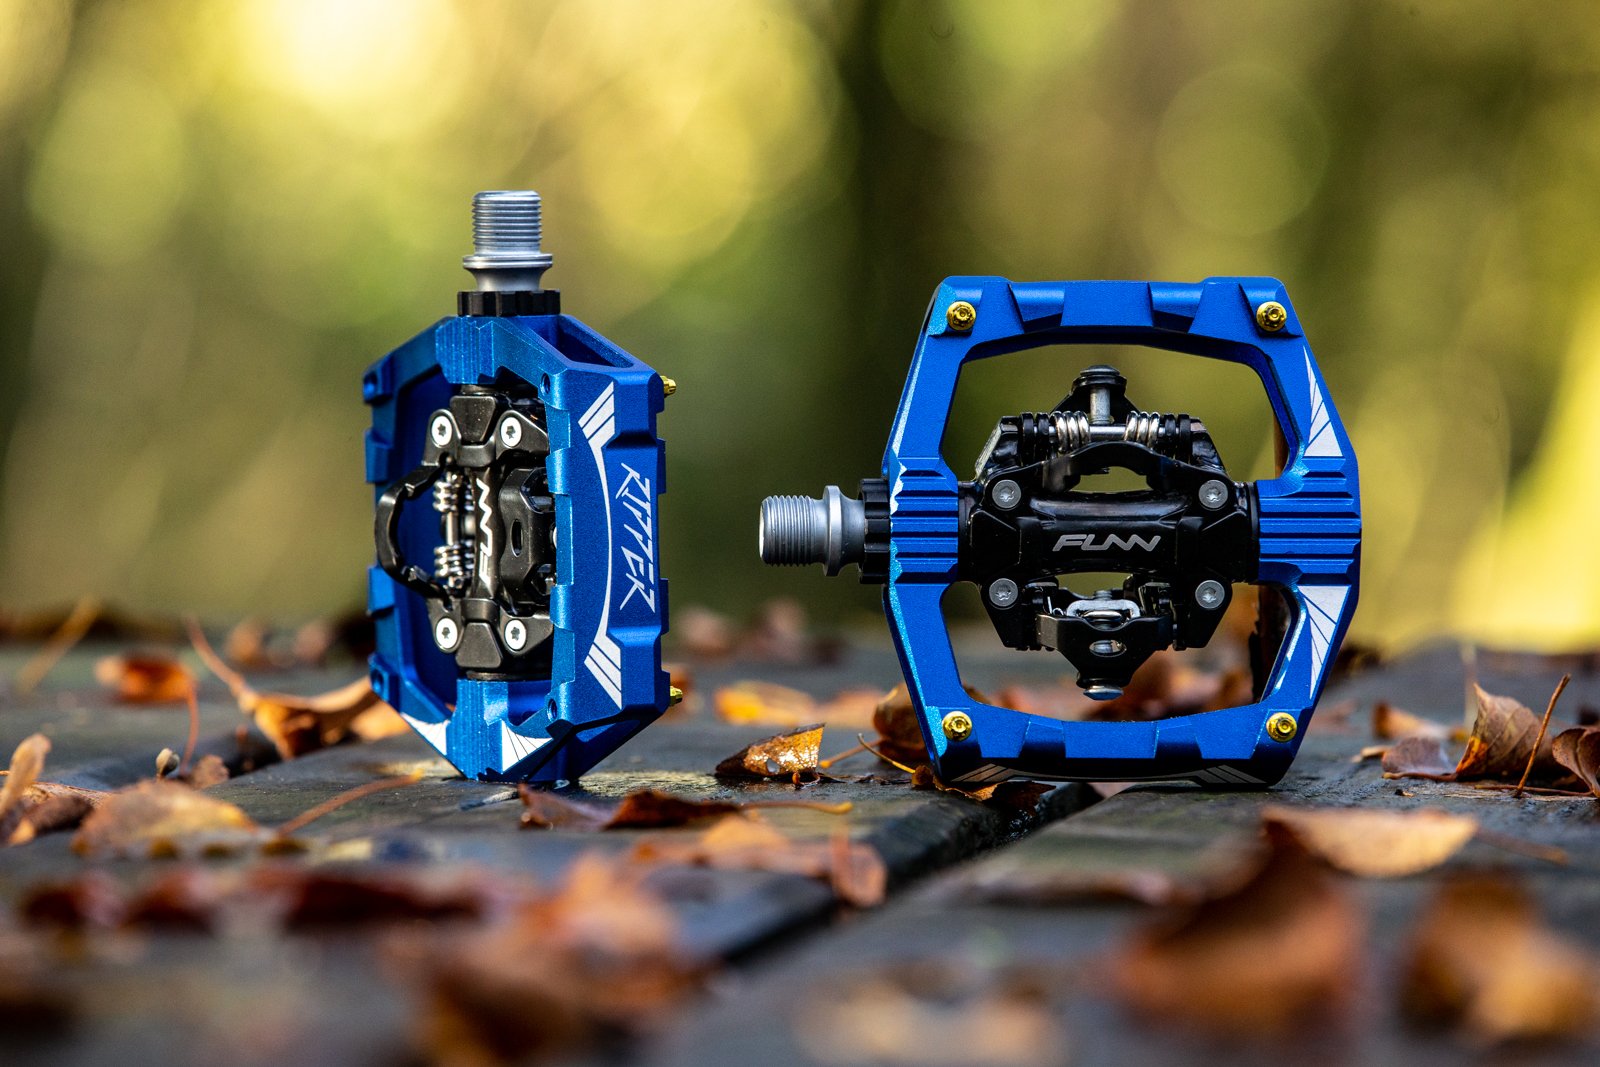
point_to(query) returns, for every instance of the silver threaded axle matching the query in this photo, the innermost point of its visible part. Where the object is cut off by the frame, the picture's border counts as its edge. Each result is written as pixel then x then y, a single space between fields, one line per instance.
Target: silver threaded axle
pixel 797 530
pixel 507 228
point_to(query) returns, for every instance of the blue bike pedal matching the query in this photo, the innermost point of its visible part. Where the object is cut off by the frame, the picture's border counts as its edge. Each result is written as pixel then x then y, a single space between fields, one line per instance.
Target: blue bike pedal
pixel 517 593
pixel 1023 524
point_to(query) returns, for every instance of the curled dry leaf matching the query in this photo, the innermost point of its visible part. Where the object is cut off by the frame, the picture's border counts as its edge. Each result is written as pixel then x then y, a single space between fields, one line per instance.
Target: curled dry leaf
pixel 145 677
pixel 598 958
pixel 163 818
pixel 779 756
pixel 1579 752
pixel 1503 740
pixel 854 870
pixel 300 724
pixel 643 808
pixel 1014 797
pixel 1482 959
pixel 1418 757
pixel 899 728
pixel 1390 723
pixel 764 704
pixel 1220 967
pixel 1372 843
pixel 29 807
pixel 934 1014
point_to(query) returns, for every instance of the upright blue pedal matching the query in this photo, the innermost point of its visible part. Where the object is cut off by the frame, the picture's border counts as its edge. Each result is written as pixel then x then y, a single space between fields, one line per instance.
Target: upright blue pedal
pixel 517 593
pixel 1023 525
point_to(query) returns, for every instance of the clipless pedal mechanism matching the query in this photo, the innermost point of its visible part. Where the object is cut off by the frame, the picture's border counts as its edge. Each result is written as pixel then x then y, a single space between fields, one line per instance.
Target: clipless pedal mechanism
pixel 517 593
pixel 1024 523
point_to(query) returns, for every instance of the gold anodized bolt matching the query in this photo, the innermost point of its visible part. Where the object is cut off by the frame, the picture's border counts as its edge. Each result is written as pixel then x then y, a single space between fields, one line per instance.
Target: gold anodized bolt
pixel 1272 316
pixel 674 695
pixel 668 387
pixel 1282 727
pixel 957 726
pixel 961 315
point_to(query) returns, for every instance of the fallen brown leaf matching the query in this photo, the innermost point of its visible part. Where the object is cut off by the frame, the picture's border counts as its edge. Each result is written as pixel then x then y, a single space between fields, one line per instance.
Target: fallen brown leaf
pixel 764 704
pixel 27 763
pixel 63 636
pixel 1235 939
pixel 935 1014
pixel 1482 959
pixel 598 958
pixel 1375 843
pixel 1390 723
pixel 779 756
pixel 1418 757
pixel 1504 739
pixel 209 770
pixel 643 808
pixel 163 818
pixel 742 842
pixel 1578 750
pixel 145 677
pixel 702 633
pixel 899 728
pixel 1013 796
pixel 781 633
pixel 300 724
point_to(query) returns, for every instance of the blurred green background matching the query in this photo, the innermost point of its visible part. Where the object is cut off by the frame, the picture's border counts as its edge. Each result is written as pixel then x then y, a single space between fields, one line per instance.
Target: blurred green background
pixel 214 216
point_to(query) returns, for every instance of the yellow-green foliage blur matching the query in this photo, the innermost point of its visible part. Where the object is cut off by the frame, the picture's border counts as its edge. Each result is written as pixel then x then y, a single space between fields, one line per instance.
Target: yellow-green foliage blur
pixel 215 215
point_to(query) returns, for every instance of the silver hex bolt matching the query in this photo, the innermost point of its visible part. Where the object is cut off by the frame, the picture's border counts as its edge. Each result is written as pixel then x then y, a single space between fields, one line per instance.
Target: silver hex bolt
pixel 515 635
pixel 510 431
pixel 1213 494
pixel 1209 594
pixel 446 634
pixel 1003 592
pixel 441 429
pixel 1006 493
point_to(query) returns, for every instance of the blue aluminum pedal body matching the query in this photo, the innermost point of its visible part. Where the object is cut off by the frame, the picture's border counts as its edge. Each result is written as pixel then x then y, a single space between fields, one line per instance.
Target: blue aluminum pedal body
pixel 597 678
pixel 1298 532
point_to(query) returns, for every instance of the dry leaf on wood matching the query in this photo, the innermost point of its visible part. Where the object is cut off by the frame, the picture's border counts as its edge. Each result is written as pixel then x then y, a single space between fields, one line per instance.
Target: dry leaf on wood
pixel 856 871
pixel 764 704
pixel 164 818
pixel 899 728
pixel 300 724
pixel 1482 959
pixel 1418 757
pixel 1504 734
pixel 1014 796
pixel 145 677
pixel 1579 752
pixel 935 1014
pixel 1220 966
pixel 780 756
pixel 641 809
pixel 598 958
pixel 1390 723
pixel 1373 843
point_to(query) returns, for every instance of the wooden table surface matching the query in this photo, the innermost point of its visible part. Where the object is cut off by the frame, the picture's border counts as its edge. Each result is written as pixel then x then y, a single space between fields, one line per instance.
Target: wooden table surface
pixel 792 975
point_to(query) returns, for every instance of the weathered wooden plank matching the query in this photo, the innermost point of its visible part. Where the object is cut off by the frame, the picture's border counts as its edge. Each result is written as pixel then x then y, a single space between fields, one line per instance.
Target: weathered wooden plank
pixel 335 1007
pixel 1184 832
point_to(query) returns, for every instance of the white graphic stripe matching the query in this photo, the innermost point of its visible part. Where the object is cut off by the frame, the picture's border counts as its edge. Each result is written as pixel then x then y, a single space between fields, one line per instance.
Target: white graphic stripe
pixel 1322 440
pixel 432 732
pixel 604 659
pixel 514 748
pixel 1323 604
